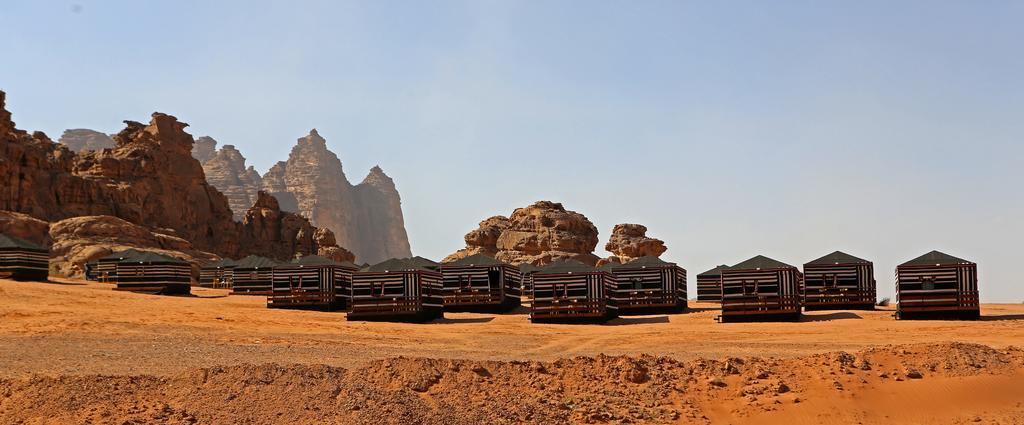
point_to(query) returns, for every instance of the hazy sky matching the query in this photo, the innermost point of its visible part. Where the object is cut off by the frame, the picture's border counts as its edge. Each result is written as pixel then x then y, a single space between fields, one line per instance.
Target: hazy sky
pixel 791 129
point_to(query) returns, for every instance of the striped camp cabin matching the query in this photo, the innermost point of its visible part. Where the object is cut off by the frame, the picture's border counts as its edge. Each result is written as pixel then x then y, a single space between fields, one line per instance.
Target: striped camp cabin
pixel 23 260
pixel 839 281
pixel 760 289
pixel 937 285
pixel 217 274
pixel 253 275
pixel 709 285
pixel 570 291
pixel 648 285
pixel 396 290
pixel 311 281
pixel 150 272
pixel 480 283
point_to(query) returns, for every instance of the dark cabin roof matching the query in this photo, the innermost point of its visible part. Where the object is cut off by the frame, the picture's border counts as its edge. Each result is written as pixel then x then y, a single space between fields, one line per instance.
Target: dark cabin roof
pixel 646 261
pixel 255 262
pixel 715 272
pixel 935 257
pixel 528 268
pixel 19 243
pixel 837 258
pixel 222 263
pixel 395 265
pixel 423 262
pixel 475 260
pixel 314 260
pixel 138 256
pixel 567 266
pixel 760 262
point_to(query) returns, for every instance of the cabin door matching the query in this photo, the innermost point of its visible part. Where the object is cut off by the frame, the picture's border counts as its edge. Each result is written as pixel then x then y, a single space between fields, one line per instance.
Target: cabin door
pixel 493 279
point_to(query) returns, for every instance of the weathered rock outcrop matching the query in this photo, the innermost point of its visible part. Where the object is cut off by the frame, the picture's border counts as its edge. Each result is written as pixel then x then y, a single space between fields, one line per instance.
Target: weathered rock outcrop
pixel 227 172
pixel 24 226
pixel 366 218
pixel 79 240
pixel 149 179
pixel 537 234
pixel 204 148
pixel 282 235
pixel 629 242
pixel 83 139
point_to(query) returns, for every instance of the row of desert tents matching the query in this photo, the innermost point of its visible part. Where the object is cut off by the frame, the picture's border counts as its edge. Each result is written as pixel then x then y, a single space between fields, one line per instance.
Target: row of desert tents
pixel 932 285
pixel 420 289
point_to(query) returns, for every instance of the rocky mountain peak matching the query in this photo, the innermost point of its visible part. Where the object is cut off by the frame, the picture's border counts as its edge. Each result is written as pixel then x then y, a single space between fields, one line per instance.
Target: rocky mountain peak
pixel 377 178
pixel 204 148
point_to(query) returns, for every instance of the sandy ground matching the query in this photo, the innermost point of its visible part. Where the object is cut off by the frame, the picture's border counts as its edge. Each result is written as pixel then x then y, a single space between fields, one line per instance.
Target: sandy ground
pixel 81 329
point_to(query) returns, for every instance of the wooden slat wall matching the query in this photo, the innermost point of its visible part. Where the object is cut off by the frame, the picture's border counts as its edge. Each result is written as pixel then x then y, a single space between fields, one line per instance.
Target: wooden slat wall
pixel 106 270
pixel 216 277
pixel 709 288
pixel 456 277
pixel 649 287
pixel 839 284
pixel 152 277
pixel 309 285
pixel 25 264
pixel 572 295
pixel 951 287
pixel 252 281
pixel 772 291
pixel 396 293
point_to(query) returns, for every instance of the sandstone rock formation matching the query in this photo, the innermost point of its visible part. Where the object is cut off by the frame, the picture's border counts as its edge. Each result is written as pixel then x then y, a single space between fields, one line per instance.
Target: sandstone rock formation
pixel 148 179
pixel 204 148
pixel 629 242
pixel 537 234
pixel 24 226
pixel 366 218
pixel 283 235
pixel 79 240
pixel 227 172
pixel 83 139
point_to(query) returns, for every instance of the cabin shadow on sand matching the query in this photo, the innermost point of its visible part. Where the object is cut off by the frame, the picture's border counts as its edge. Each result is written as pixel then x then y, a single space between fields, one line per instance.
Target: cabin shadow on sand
pixel 622 321
pixel 1001 317
pixel 839 315
pixel 462 320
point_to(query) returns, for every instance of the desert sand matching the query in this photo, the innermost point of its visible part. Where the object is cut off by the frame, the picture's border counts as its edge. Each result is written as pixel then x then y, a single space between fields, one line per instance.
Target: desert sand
pixel 213 358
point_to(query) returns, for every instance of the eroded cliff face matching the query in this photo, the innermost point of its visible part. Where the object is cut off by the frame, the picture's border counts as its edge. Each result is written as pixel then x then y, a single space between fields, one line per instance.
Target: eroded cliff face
pixel 367 218
pixel 537 234
pixel 227 171
pixel 150 180
pixel 83 139
pixel 283 235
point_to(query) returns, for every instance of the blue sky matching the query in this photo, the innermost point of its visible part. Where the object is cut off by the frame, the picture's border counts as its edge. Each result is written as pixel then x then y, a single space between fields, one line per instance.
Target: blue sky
pixel 790 129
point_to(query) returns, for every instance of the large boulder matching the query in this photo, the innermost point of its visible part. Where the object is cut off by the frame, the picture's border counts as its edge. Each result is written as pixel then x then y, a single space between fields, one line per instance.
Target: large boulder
pixel 79 240
pixel 537 234
pixel 629 242
pixel 24 226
